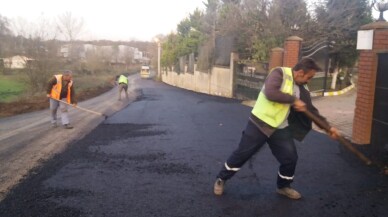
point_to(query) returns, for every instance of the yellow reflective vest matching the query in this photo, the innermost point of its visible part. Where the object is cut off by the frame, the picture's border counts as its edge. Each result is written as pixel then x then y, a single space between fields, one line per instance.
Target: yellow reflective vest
pixel 56 90
pixel 123 79
pixel 274 113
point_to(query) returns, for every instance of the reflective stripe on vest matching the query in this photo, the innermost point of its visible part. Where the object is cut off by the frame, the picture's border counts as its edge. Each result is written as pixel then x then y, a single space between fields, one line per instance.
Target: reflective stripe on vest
pixel 270 112
pixel 57 88
pixel 123 79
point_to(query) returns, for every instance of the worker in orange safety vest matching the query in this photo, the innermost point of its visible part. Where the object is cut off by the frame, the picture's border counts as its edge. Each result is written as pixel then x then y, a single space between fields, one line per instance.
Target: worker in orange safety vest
pixel 60 88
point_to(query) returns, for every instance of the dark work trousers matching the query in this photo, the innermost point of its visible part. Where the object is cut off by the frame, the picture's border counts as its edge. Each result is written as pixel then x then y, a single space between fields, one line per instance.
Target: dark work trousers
pixel 281 144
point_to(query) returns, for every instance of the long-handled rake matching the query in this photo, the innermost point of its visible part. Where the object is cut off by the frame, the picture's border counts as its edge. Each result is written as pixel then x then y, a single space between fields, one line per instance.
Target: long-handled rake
pixel 83 109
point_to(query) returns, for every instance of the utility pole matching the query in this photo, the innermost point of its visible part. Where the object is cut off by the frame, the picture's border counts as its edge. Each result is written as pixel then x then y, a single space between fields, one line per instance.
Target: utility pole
pixel 157 40
pixel 159 75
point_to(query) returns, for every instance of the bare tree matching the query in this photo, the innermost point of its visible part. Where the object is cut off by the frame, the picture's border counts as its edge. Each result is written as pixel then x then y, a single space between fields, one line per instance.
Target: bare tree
pixel 69 26
pixel 128 56
pixel 4 26
pixel 22 28
pixel 94 61
pixel 41 49
pixel 45 29
pixel 5 34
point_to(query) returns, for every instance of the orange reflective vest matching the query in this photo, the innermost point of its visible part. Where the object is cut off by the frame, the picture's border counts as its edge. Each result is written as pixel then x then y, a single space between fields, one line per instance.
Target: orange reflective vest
pixel 56 90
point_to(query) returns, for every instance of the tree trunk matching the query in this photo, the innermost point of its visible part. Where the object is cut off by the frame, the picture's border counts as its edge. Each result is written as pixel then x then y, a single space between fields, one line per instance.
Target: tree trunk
pixel 334 79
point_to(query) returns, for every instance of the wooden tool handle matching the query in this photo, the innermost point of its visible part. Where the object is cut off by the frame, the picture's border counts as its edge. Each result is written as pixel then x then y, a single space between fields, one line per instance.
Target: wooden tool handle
pixel 84 109
pixel 341 139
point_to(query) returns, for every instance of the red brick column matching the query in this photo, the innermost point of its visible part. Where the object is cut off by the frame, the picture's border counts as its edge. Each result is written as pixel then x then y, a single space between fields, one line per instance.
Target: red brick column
pixel 367 69
pixel 291 51
pixel 276 58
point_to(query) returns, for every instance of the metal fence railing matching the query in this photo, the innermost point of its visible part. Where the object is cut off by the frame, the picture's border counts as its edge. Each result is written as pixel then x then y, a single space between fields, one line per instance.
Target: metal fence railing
pixel 249 79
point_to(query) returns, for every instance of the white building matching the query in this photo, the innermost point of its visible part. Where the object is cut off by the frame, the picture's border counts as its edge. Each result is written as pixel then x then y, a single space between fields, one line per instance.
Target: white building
pixel 64 50
pixel 120 53
pixel 16 62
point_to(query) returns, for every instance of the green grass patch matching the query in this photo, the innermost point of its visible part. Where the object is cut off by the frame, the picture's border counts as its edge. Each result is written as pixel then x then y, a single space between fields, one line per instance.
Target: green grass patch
pixel 10 87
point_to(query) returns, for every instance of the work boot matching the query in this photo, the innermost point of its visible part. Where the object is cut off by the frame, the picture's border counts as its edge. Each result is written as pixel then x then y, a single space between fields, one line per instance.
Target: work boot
pixel 289 192
pixel 219 187
pixel 67 126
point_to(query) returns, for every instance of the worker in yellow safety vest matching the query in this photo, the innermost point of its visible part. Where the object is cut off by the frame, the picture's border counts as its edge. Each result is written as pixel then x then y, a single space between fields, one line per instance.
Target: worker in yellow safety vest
pixel 60 88
pixel 277 118
pixel 123 85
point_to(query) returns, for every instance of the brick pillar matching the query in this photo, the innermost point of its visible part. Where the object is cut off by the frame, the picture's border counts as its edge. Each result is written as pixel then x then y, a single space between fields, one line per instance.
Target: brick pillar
pixel 276 58
pixel 367 69
pixel 291 51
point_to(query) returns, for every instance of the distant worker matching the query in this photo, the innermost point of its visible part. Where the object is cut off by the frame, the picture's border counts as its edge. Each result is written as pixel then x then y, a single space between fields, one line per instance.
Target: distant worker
pixel 123 85
pixel 277 118
pixel 60 88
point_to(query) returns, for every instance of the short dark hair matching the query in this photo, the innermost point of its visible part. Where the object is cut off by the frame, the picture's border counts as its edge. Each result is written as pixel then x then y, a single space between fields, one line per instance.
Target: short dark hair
pixel 307 64
pixel 67 72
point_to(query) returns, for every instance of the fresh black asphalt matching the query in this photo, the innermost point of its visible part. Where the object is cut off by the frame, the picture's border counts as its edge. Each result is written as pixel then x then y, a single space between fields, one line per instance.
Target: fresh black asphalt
pixel 160 155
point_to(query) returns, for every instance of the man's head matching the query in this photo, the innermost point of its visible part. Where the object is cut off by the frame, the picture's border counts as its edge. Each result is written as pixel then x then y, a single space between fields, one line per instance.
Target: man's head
pixel 67 75
pixel 305 70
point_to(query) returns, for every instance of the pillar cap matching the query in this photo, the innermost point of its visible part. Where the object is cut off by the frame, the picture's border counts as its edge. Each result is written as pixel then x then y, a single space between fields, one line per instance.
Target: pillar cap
pixel 277 49
pixel 375 25
pixel 294 38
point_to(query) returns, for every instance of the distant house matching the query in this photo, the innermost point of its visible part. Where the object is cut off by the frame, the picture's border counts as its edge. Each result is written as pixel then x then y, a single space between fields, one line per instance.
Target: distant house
pixel 64 51
pixel 116 54
pixel 16 62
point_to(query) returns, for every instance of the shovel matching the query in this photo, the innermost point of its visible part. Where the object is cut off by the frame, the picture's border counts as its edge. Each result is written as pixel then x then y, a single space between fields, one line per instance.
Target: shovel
pixel 83 109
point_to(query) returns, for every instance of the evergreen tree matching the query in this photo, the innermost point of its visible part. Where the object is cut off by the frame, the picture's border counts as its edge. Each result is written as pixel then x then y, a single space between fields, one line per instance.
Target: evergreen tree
pixel 338 21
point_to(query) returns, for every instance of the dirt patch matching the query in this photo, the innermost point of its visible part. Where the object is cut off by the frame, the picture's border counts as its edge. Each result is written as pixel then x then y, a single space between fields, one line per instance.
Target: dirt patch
pixel 36 103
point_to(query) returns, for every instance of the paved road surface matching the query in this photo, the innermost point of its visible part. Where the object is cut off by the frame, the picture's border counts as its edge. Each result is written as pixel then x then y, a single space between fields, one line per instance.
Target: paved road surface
pixel 159 157
pixel 28 139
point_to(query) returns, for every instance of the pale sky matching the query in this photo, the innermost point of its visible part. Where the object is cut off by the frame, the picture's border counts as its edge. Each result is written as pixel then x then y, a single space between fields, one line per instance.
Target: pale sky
pixel 106 19
pixel 103 19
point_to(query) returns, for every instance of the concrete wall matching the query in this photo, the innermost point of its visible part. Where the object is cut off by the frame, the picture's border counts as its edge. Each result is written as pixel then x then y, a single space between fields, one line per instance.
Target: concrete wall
pixel 219 82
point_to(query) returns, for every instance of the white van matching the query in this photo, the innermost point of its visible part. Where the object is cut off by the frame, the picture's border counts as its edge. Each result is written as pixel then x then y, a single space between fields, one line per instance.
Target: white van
pixel 145 72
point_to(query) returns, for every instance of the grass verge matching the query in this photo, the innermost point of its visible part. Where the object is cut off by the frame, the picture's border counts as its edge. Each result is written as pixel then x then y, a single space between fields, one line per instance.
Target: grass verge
pixel 10 88
pixel 86 87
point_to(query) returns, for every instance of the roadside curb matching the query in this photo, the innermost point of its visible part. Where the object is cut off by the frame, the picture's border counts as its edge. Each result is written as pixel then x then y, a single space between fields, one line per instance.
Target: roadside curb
pixel 333 93
pixel 251 103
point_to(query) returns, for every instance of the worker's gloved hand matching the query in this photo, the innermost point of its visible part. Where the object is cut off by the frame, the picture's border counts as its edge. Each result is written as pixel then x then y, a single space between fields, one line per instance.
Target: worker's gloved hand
pixel 299 105
pixel 334 133
pixel 48 96
pixel 74 104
